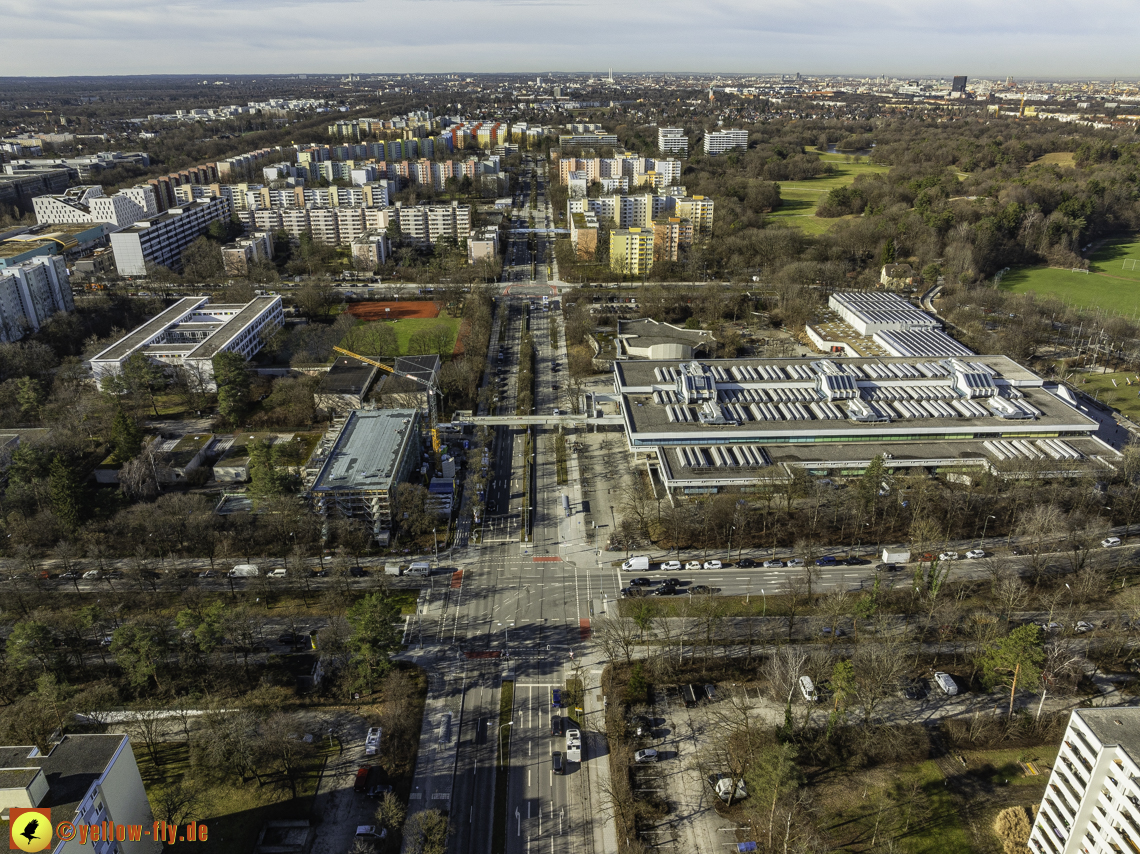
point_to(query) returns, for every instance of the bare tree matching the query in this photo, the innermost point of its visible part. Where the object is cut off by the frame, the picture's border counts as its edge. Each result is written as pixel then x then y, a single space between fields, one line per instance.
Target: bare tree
pixel 782 671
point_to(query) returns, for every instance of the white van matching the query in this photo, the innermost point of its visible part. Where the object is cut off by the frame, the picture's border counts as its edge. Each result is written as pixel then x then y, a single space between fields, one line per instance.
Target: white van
pixel 419 568
pixel 946 682
pixel 807 688
pixel 276 573
pixel 244 570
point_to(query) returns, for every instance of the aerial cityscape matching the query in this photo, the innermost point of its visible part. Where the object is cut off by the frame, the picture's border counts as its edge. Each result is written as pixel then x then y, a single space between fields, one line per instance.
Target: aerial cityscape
pixel 611 461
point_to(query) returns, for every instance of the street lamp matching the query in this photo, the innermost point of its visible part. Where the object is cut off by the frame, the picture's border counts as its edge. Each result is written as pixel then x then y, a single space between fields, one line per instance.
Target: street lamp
pixel 502 759
pixel 984 530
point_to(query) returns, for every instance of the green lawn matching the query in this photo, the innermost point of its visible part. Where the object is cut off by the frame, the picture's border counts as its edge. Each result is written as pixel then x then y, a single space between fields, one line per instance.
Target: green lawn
pixel 1122 397
pixel 1117 291
pixel 233 812
pixel 409 326
pixel 799 199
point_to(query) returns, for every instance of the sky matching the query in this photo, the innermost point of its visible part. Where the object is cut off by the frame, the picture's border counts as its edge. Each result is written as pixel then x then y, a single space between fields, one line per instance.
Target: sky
pixel 1042 39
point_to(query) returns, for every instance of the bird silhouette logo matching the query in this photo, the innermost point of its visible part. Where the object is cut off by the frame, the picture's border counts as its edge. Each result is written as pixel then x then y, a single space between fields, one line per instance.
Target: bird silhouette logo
pixel 30 829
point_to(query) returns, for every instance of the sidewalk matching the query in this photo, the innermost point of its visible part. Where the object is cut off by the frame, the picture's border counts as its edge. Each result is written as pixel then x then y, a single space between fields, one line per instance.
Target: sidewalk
pixel 598 764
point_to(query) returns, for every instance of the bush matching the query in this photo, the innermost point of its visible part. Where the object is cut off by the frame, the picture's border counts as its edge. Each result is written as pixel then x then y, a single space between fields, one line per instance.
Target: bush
pixel 1012 827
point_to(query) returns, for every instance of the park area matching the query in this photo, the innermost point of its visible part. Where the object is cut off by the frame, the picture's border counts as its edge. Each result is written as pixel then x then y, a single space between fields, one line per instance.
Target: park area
pixel 418 326
pixel 799 199
pixel 1112 283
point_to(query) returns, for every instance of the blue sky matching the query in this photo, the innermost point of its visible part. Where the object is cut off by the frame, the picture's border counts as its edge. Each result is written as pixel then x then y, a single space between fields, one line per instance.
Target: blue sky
pixel 1023 38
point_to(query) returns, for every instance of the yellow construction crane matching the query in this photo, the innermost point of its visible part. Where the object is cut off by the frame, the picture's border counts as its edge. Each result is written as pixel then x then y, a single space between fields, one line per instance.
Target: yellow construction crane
pixel 432 391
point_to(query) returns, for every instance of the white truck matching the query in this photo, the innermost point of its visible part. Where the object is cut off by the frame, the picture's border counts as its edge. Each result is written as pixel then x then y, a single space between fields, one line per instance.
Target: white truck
pixel 245 570
pixel 573 745
pixel 896 556
pixel 637 563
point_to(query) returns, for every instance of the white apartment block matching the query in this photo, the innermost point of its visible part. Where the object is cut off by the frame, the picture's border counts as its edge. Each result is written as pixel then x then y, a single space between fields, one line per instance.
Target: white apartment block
pixel 88 205
pixel 670 169
pixel 144 197
pixel 1092 803
pixel 191 333
pixel 720 141
pixel 161 239
pixel 30 293
pixel 237 256
pixel 84 780
pixel 334 226
pixel 672 141
pixel 697 209
pixel 432 223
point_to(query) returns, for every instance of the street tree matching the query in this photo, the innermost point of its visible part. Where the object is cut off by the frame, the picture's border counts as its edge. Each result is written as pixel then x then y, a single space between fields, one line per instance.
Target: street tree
pixel 1015 660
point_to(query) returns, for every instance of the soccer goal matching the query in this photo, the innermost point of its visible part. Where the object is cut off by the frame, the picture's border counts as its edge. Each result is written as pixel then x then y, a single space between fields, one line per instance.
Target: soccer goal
pixel 1129 264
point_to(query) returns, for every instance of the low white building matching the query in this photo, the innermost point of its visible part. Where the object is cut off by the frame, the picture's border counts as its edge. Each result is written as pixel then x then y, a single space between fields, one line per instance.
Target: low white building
pixel 191 333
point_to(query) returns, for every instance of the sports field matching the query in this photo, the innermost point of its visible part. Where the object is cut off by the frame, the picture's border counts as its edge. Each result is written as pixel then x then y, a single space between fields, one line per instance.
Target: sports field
pixel 799 199
pixel 405 330
pixel 1109 284
pixel 380 310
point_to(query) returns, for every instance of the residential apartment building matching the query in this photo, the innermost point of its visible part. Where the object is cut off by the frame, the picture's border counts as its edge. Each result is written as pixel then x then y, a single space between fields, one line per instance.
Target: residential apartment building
pixel 631 251
pixel 698 210
pixel 584 234
pixel 720 141
pixel 371 249
pixel 87 204
pixel 670 234
pixel 432 223
pixel 30 293
pixel 239 255
pixel 84 780
pixel 192 332
pixel 595 139
pixel 672 141
pixel 1090 804
pixel 160 240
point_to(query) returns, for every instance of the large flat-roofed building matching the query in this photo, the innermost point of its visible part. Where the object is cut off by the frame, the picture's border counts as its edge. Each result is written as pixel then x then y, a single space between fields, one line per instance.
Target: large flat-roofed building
pixel 1091 803
pixel 88 205
pixel 192 332
pixel 718 425
pixel 868 313
pixel 83 780
pixel 373 453
pixel 672 141
pixel 161 239
pixel 30 293
pixel 720 141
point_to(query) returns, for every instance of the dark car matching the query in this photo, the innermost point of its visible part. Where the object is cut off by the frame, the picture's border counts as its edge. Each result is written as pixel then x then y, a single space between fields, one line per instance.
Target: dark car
pixel 320 573
pixel 887 567
pixel 672 582
pixel 377 782
pixel 1017 550
pixel 857 561
pixel 361 784
pixel 746 563
pixel 289 639
pixel 710 692
pixel 826 560
pixel 700 589
pixel 640 582
pixel 556 762
pixel 356 571
pixel 664 590
pixel 556 725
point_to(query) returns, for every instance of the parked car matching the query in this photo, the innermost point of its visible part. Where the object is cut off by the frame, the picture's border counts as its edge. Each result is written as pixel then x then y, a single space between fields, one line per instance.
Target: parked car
pixel 857 561
pixel 642 726
pixel 826 560
pixel 975 554
pixel 209 573
pixel 693 565
pixel 1082 626
pixel 1109 542
pixel 710 692
pixel 700 589
pixel 360 785
pixel 646 755
pixel 712 564
pixel 946 682
pixel 827 632
pixel 948 556
pixel 372 741
pixel 886 567
pixel 773 564
pixel 91 575
pixel 369 833
pixel 795 561
pixel 356 571
pixel 671 566
pixel 746 563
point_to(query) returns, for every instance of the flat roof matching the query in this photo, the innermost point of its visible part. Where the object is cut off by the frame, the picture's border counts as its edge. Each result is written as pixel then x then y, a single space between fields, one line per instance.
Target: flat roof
pixel 368 450
pixel 140 335
pixel 71 768
pixel 226 332
pixel 348 376
pixel 651 408
pixel 1114 726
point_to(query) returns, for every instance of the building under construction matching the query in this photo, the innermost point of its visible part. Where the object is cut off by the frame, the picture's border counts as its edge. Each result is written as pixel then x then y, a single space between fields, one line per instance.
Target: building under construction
pixel 374 452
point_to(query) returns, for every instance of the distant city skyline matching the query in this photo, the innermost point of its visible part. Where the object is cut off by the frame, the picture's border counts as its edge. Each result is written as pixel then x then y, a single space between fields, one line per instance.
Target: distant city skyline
pixel 1042 39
